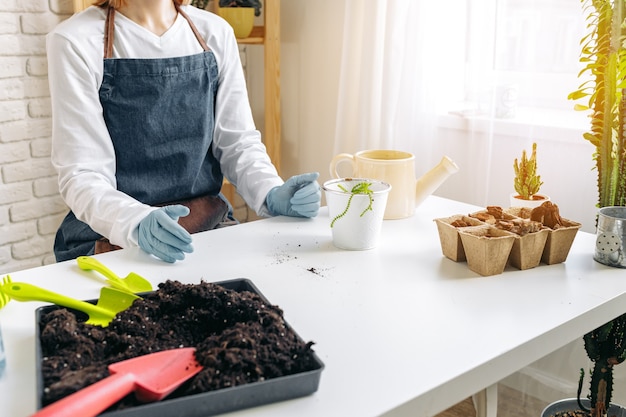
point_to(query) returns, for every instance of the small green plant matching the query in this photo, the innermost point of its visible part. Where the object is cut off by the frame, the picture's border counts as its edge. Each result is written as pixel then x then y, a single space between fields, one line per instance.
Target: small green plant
pixel 360 188
pixel 606 347
pixel 202 4
pixel 527 182
pixel 243 3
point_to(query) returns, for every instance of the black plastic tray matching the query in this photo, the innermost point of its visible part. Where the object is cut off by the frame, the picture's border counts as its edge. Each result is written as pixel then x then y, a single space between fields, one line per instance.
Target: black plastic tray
pixel 213 402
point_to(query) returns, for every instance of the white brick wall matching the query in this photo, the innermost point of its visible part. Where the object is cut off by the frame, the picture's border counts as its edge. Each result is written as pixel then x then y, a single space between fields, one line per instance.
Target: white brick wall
pixel 30 206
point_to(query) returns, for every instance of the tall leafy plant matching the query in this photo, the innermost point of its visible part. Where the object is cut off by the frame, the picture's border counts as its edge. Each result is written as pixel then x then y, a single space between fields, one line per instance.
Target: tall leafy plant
pixel 604 56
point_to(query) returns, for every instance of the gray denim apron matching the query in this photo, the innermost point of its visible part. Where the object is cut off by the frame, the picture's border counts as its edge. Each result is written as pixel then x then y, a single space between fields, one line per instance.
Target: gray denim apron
pixel 160 116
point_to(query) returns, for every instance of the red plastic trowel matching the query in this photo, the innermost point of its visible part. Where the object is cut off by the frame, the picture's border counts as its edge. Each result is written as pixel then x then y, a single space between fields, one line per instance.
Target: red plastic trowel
pixel 152 377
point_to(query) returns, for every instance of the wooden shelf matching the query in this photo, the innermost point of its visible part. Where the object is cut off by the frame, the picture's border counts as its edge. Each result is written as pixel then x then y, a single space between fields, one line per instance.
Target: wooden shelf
pixel 257 37
pixel 268 35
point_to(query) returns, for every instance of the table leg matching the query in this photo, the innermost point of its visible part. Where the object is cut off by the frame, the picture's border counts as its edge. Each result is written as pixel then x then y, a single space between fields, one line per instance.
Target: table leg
pixel 486 402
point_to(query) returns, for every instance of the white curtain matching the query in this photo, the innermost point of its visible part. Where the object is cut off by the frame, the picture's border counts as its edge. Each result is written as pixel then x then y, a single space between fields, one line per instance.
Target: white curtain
pixel 429 77
pixel 395 69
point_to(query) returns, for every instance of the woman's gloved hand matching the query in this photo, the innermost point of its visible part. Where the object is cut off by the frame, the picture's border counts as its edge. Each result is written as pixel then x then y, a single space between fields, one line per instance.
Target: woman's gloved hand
pixel 161 235
pixel 299 196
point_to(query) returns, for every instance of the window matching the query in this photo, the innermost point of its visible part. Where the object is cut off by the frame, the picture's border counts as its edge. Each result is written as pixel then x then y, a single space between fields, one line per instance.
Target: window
pixel 532 44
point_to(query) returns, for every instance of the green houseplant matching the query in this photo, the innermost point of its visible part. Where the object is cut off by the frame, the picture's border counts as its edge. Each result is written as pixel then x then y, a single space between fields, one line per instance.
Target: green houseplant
pixel 200 4
pixel 356 207
pixel 604 56
pixel 606 347
pixel 256 4
pixel 359 188
pixel 527 182
pixel 238 13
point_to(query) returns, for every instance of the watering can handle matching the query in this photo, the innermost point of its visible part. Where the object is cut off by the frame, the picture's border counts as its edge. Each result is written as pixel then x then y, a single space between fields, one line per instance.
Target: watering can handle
pixel 338 160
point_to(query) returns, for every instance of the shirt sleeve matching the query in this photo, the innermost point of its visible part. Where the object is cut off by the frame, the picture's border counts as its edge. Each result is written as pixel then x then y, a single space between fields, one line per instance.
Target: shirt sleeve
pixel 237 143
pixel 82 151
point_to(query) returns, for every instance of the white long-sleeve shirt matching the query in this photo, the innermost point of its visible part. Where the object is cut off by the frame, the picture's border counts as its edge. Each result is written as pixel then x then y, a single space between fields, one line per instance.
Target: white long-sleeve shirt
pixel 82 151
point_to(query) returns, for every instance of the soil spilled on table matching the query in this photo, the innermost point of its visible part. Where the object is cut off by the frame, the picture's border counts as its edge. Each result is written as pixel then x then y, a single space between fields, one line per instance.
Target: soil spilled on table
pixel 239 338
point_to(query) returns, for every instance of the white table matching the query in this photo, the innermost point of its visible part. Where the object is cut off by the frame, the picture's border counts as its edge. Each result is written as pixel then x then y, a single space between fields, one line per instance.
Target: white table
pixel 401 329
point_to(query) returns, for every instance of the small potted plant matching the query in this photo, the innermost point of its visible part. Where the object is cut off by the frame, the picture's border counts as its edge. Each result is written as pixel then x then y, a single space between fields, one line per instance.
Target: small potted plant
pixel 526 182
pixel 200 4
pixel 605 347
pixel 240 15
pixel 356 208
pixel 358 188
pixel 256 4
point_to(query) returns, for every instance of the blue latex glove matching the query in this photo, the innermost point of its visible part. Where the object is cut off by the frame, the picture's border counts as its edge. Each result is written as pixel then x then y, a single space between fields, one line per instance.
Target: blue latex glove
pixel 300 196
pixel 162 236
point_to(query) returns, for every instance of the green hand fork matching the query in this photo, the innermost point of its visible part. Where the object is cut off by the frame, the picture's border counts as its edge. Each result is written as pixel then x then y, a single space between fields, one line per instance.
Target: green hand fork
pixel 132 283
pixel 110 303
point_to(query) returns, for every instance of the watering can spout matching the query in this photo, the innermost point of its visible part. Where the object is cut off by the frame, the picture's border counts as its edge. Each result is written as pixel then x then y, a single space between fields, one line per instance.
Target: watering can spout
pixel 430 181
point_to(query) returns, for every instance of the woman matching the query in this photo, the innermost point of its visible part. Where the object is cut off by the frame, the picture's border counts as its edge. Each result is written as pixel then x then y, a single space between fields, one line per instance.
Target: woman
pixel 150 112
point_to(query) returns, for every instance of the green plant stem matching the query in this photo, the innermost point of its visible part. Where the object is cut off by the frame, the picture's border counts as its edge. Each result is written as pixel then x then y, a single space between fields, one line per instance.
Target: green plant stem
pixel 579 391
pixel 343 213
pixel 360 188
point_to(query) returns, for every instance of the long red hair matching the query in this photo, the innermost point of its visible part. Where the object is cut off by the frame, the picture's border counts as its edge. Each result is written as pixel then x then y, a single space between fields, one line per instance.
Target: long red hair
pixel 116 4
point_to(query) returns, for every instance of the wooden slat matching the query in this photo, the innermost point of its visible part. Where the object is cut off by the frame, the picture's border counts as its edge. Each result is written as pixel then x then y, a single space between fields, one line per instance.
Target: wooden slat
pixel 80 5
pixel 257 36
pixel 272 132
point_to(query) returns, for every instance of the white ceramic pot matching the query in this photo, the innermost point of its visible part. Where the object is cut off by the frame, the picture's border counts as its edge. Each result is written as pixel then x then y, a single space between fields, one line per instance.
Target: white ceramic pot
pixel 517 201
pixel 354 224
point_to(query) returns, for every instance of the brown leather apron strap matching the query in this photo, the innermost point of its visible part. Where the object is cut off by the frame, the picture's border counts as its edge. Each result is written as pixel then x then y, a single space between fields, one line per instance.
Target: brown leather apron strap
pixel 206 212
pixel 193 28
pixel 109 27
pixel 103 245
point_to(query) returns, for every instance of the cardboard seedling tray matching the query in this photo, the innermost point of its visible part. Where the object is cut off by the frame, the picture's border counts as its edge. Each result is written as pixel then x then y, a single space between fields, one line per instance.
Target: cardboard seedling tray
pixel 559 240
